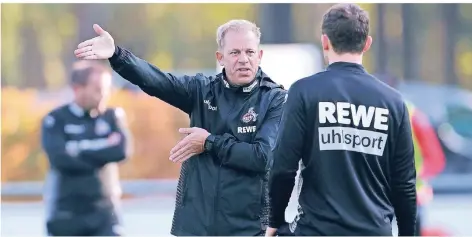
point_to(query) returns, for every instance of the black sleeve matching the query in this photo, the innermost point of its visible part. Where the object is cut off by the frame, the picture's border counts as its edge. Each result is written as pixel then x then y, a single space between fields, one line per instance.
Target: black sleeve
pixel 102 155
pixel 404 179
pixel 116 153
pixel 176 91
pixel 287 154
pixel 54 144
pixel 257 155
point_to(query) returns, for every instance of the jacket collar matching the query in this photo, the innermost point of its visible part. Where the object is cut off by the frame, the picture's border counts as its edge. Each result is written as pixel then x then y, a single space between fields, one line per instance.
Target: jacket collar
pixel 76 110
pixel 346 66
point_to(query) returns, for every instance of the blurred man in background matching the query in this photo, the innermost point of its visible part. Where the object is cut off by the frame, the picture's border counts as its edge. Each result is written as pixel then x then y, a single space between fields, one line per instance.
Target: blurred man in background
pixel 353 135
pixel 429 155
pixel 234 115
pixel 83 140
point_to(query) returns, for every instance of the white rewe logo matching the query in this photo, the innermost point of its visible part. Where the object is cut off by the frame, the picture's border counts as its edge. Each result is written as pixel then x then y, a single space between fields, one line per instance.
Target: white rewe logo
pixel 247 129
pixel 348 138
pixel 348 114
pixel 210 107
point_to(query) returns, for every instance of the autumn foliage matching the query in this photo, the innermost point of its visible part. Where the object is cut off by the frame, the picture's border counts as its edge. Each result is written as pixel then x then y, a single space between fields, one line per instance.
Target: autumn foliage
pixel 153 124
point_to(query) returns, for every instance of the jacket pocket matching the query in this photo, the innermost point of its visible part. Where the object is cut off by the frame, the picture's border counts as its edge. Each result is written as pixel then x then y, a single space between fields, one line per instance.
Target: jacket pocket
pixel 256 200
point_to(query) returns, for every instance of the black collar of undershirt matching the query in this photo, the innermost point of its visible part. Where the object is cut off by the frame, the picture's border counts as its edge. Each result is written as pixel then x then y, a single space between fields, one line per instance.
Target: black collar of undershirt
pixel 355 67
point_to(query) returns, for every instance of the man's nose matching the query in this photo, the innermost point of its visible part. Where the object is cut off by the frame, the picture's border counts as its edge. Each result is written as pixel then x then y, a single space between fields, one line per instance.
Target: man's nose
pixel 243 58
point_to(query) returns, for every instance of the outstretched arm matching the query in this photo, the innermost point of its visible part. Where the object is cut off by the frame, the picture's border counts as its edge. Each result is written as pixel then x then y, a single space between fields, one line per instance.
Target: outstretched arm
pixel 176 91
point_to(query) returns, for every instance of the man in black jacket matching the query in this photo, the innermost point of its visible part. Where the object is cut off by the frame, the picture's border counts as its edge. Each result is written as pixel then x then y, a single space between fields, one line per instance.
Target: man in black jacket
pixel 352 134
pixel 83 140
pixel 234 115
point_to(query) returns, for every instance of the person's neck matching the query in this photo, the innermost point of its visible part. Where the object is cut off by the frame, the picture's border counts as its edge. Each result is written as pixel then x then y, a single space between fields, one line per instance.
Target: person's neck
pixel 348 58
pixel 100 108
pixel 79 104
pixel 236 85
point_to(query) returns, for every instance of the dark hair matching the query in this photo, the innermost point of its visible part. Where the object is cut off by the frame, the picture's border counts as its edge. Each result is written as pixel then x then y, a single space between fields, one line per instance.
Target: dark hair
pixel 82 70
pixel 347 27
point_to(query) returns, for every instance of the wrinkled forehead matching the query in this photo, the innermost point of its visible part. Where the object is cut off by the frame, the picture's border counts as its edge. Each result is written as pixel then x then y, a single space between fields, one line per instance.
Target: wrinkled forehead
pixel 241 39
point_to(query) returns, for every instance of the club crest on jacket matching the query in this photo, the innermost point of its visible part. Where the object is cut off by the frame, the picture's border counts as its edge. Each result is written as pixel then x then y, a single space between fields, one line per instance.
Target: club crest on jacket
pixel 249 116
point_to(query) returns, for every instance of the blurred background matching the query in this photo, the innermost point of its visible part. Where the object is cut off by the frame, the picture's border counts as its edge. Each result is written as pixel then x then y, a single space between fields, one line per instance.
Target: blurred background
pixel 427 46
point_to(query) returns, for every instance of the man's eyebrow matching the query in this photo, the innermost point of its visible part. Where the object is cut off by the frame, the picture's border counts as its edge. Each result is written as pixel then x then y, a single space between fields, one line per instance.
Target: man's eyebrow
pixel 246 49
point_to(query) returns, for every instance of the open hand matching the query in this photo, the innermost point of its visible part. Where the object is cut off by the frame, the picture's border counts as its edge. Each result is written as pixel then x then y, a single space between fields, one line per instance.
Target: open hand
pixel 191 145
pixel 100 47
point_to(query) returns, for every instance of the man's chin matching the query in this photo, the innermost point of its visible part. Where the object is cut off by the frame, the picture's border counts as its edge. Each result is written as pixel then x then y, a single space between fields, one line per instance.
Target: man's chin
pixel 244 78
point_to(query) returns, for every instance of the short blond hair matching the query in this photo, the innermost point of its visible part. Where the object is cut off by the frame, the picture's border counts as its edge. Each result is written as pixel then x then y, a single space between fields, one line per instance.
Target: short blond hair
pixel 236 25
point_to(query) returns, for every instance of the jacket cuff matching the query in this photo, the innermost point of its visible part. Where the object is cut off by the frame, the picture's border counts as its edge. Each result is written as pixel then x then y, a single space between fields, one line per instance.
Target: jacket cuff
pixel 216 147
pixel 115 55
pixel 118 58
pixel 276 224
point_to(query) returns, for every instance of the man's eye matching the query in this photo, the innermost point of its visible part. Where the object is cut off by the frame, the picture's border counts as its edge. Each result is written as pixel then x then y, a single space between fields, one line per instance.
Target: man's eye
pixel 234 53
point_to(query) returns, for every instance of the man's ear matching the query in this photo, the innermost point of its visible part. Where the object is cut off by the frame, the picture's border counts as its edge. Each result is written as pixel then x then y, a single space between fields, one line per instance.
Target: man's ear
pixel 325 42
pixel 368 43
pixel 219 57
pixel 261 52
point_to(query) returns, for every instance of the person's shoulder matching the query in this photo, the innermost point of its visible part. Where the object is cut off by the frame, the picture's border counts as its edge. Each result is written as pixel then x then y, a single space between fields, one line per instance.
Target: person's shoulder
pixel 307 82
pixel 392 99
pixel 315 78
pixel 270 88
pixel 202 80
pixel 387 91
pixel 59 111
pixel 117 112
pixel 56 114
pixel 278 95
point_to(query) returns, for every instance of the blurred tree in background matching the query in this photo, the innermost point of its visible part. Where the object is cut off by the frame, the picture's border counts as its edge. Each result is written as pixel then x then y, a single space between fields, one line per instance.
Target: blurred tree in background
pixel 38 39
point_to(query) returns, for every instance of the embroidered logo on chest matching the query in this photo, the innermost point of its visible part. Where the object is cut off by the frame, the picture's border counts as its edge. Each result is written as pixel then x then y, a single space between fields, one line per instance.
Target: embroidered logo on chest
pixel 250 116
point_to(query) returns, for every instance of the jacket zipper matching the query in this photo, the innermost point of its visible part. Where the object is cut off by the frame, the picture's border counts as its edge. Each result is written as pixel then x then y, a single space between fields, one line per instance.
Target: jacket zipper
pixel 215 206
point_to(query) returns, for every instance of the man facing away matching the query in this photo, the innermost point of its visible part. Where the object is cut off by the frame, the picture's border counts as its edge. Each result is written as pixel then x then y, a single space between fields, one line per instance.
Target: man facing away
pixel 234 117
pixel 353 135
pixel 83 141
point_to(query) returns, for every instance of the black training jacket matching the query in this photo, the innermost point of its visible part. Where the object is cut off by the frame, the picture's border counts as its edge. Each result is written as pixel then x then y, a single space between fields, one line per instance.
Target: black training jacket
pixel 353 136
pixel 77 149
pixel 224 191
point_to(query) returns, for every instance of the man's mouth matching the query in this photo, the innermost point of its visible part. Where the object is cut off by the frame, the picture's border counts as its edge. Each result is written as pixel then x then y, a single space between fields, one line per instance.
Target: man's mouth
pixel 243 69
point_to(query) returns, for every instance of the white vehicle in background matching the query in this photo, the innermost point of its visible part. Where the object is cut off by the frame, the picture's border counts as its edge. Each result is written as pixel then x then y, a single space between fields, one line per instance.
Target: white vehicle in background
pixel 287 63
